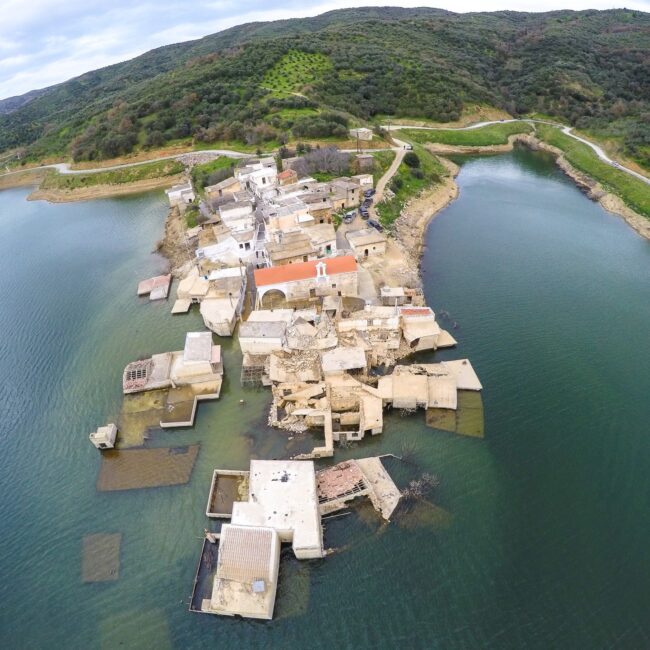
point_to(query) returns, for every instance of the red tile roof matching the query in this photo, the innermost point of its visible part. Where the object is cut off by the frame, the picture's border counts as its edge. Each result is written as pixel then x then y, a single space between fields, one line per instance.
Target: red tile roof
pixel 415 311
pixel 287 173
pixel 304 270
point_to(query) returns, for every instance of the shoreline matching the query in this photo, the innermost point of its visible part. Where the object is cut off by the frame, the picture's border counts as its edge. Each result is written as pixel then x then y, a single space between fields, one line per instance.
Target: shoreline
pixel 103 191
pixel 24 178
pixel 400 266
pixel 173 245
pixel 411 226
pixel 590 186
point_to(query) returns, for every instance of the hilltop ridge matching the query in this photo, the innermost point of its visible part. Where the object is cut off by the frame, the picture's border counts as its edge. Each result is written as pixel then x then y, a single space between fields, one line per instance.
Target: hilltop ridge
pixel 262 83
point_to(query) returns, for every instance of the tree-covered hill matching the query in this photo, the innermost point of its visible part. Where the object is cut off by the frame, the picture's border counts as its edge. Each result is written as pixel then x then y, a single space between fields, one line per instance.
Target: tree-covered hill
pixel 306 78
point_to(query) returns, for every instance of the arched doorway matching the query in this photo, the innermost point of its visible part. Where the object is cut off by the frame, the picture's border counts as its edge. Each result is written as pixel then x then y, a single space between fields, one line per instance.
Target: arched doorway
pixel 273 299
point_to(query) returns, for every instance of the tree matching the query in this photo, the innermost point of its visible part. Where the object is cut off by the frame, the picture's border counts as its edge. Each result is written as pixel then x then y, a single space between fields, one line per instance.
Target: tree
pixel 412 160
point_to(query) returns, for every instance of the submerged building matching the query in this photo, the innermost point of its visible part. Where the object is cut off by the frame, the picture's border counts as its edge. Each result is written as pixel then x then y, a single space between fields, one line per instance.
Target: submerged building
pixel 282 507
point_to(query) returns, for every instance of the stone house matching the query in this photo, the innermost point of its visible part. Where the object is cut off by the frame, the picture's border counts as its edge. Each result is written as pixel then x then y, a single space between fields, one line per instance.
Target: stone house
pixel 181 195
pixel 224 188
pixel 290 248
pixel 288 177
pixel 366 242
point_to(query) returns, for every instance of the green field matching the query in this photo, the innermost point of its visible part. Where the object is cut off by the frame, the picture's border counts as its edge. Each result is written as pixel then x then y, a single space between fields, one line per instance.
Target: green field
pixel 211 172
pixel 485 136
pixel 294 71
pixel 634 192
pixel 406 184
pixel 113 177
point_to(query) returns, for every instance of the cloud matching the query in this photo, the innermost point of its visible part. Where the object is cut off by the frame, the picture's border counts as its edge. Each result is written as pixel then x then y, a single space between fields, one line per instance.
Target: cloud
pixel 43 42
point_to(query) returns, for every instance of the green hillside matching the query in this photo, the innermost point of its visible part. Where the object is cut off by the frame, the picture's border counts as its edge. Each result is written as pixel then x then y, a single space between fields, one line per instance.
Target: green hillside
pixel 311 77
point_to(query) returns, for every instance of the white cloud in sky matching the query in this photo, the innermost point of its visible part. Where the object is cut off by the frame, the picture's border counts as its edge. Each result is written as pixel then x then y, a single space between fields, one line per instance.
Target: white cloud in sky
pixel 44 42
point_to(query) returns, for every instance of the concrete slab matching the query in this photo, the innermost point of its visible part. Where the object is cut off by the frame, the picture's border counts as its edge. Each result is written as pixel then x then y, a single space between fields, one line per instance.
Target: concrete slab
pixel 145 468
pixel 100 557
pixel 181 306
pixel 147 286
pixel 462 370
pixel 442 392
pixel 445 340
pixel 384 494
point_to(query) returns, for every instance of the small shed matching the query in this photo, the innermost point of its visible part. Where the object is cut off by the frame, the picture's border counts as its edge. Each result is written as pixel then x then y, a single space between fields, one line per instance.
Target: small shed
pixel 104 437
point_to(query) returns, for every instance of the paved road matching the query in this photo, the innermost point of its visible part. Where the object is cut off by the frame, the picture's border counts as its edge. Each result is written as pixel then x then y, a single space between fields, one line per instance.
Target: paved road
pixel 567 130
pixel 64 168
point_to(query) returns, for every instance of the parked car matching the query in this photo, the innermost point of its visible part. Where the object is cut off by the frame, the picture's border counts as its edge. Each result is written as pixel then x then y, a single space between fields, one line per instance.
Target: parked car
pixel 364 214
pixel 367 203
pixel 369 193
pixel 347 218
pixel 375 224
pixel 408 147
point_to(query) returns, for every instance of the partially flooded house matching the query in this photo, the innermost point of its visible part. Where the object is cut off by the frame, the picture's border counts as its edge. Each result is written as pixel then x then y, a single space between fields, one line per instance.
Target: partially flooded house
pixel 433 385
pixel 421 331
pixel 282 507
pixel 220 295
pixel 199 363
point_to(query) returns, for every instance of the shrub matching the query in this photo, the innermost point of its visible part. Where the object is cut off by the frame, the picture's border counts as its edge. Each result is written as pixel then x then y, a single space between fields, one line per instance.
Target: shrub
pixel 412 160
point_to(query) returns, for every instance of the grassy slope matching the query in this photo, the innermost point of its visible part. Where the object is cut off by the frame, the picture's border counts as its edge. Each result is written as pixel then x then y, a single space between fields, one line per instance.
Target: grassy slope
pixel 410 186
pixel 635 193
pixel 423 63
pixel 201 173
pixel 494 134
pixel 114 177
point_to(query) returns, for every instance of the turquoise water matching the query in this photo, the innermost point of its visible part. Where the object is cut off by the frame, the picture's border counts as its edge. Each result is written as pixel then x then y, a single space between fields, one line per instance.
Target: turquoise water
pixel 548 528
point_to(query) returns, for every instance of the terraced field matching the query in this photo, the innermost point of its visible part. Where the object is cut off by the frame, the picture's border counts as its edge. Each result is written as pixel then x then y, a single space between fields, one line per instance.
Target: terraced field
pixel 295 71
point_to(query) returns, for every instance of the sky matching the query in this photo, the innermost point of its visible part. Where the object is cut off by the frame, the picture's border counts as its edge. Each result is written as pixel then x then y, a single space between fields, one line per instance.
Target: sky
pixel 44 42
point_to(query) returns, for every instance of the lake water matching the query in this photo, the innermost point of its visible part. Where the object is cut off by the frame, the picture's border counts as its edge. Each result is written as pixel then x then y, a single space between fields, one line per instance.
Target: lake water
pixel 543 530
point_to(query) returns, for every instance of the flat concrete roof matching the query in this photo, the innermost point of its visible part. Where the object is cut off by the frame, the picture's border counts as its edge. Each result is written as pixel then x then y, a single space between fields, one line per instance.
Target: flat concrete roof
pixel 392 292
pixel 462 370
pixel 267 315
pixel 364 236
pixel 261 329
pixel 181 306
pixel 282 496
pixel 198 346
pixel 218 310
pixel 344 358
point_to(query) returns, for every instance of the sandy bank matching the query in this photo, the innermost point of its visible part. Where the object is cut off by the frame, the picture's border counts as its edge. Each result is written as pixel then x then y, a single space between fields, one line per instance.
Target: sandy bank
pixel 22 179
pixel 103 191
